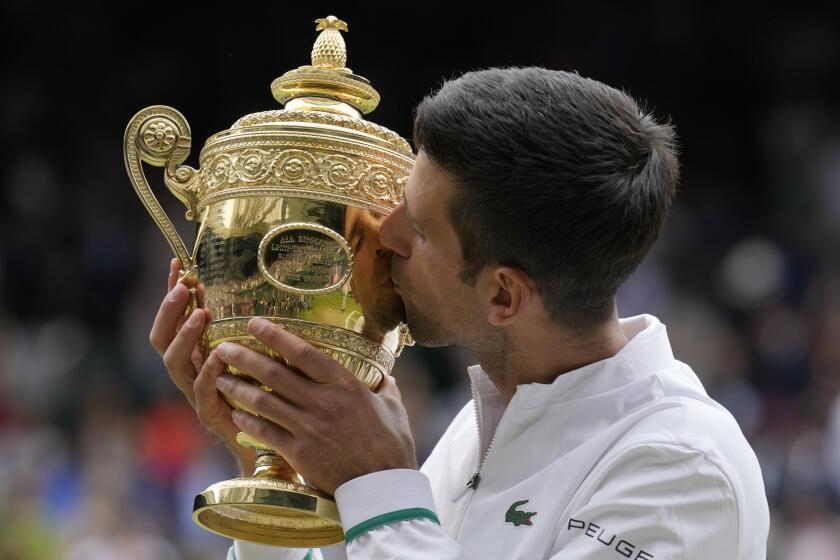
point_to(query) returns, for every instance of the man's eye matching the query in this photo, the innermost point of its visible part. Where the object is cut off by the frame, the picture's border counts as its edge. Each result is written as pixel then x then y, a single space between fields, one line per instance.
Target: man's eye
pixel 359 243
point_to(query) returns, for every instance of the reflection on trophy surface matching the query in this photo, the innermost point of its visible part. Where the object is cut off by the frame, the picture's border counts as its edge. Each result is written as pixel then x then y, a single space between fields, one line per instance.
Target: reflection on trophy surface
pixel 288 204
pixel 229 267
pixel 382 308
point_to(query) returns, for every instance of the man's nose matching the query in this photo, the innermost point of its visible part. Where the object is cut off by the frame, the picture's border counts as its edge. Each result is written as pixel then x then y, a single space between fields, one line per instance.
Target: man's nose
pixel 393 232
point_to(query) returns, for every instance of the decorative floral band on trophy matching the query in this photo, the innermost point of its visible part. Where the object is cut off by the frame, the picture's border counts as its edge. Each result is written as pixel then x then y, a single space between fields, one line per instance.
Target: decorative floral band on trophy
pixel 288 205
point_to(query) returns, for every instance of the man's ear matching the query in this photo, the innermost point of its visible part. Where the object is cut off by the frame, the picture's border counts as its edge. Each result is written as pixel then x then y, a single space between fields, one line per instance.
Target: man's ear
pixel 506 294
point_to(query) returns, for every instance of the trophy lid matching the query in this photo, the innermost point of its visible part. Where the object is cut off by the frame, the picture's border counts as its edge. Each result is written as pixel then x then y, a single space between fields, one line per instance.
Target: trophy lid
pixel 327 77
pixel 317 146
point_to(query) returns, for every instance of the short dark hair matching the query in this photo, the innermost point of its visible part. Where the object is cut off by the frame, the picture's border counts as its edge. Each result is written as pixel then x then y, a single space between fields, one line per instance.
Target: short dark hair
pixel 560 176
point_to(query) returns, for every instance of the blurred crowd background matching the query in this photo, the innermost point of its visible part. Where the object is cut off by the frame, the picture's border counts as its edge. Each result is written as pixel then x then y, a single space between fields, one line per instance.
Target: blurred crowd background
pixel 99 455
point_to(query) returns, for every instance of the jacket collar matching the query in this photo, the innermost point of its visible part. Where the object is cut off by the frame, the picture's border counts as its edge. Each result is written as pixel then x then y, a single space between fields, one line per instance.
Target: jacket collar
pixel 646 351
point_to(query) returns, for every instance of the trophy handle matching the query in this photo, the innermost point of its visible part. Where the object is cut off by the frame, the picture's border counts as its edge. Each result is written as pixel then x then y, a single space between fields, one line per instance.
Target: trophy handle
pixel 160 136
pixel 405 339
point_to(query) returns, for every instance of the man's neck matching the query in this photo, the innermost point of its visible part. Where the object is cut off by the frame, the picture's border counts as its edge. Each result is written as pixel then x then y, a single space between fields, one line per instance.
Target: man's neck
pixel 540 356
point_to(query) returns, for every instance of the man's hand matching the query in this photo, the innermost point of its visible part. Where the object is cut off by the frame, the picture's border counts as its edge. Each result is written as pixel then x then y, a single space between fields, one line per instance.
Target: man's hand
pixel 176 339
pixel 329 426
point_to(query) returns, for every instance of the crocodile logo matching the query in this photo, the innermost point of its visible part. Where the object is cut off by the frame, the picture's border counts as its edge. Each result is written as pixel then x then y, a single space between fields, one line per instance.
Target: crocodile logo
pixel 517 517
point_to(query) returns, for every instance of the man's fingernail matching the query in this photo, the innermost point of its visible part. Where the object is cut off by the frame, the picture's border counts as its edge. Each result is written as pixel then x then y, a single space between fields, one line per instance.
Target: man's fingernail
pixel 193 320
pixel 175 293
pixel 257 325
pixel 223 349
pixel 223 383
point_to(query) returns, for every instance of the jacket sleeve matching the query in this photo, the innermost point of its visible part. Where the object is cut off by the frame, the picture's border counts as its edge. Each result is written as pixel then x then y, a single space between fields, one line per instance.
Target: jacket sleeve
pixel 388 514
pixel 391 514
pixel 655 502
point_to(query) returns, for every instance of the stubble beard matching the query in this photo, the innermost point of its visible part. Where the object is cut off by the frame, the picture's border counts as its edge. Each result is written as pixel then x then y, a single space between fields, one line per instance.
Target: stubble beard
pixel 432 322
pixel 426 327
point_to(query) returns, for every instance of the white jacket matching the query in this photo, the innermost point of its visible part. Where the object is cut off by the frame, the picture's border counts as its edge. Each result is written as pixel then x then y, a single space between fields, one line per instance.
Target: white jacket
pixel 623 458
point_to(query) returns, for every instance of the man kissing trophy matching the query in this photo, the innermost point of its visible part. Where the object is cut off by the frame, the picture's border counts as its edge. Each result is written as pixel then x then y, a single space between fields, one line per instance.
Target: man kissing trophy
pixel 287 204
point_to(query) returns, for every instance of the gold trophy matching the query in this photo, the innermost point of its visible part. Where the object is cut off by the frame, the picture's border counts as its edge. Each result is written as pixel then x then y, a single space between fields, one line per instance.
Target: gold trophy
pixel 288 205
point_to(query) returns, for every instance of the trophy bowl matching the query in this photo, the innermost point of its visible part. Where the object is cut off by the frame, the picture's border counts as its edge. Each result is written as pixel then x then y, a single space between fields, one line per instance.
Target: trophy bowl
pixel 288 205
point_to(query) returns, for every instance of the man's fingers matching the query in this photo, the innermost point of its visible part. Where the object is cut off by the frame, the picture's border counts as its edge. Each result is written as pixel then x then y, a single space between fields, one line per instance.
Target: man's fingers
pixel 205 384
pixel 215 413
pixel 388 388
pixel 260 402
pixel 389 393
pixel 174 269
pixel 209 405
pixel 274 436
pixel 300 353
pixel 293 387
pixel 168 317
pixel 197 358
pixel 178 356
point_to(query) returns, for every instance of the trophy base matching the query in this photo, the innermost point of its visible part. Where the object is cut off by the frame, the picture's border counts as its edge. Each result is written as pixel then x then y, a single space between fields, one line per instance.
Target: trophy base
pixel 269 511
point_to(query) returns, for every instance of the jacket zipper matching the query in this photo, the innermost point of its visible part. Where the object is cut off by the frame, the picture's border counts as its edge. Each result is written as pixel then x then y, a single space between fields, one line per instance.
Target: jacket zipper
pixel 472 483
pixel 475 479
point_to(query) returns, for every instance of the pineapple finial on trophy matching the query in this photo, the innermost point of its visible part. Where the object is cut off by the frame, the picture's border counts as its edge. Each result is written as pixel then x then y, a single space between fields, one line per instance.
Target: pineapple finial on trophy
pixel 329 50
pixel 327 85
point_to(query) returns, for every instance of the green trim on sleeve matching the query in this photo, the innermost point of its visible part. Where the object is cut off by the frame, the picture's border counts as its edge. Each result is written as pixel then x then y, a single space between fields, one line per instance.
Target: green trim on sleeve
pixel 309 555
pixel 386 518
